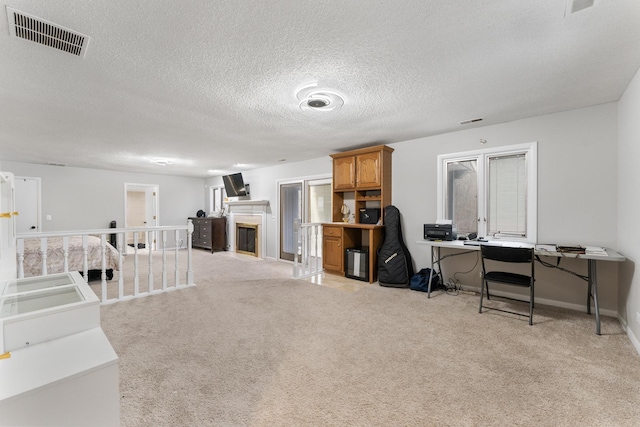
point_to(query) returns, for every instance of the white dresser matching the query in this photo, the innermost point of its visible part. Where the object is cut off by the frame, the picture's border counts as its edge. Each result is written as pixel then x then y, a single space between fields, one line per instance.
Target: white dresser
pixel 57 365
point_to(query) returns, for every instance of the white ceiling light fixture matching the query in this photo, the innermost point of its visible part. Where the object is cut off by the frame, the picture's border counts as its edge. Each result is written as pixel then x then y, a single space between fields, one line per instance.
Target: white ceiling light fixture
pixel 313 98
pixel 161 161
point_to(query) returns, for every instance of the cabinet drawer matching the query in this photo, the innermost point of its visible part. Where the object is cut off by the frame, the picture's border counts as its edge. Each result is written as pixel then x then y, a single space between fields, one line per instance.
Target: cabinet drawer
pixel 332 231
pixel 199 223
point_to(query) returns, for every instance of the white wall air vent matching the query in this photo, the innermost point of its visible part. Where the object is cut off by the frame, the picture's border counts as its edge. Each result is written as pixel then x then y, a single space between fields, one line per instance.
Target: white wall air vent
pixel 38 30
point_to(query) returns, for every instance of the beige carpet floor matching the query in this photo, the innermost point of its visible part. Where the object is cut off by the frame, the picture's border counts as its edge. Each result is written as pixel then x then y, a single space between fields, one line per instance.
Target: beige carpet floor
pixel 248 346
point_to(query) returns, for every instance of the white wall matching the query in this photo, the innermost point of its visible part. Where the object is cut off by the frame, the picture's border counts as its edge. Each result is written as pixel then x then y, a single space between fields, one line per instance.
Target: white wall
pixel 577 201
pixel 263 186
pixel 78 198
pixel 577 196
pixel 629 207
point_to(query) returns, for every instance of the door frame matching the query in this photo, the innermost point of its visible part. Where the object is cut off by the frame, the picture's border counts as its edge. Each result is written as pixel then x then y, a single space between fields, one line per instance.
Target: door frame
pixel 298 185
pixel 305 194
pixel 153 218
pixel 38 199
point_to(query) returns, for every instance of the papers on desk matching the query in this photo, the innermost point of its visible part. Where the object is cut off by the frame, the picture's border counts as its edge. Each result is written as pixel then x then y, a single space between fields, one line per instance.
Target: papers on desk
pixel 546 248
pixel 595 250
pixel 571 250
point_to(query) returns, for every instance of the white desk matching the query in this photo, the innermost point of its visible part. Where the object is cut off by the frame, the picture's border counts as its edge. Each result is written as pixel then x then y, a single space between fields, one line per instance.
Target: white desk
pixel 591 278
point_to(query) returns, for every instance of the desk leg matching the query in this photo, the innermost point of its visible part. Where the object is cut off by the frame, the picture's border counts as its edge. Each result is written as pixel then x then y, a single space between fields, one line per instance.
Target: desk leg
pixel 433 267
pixel 430 274
pixel 593 286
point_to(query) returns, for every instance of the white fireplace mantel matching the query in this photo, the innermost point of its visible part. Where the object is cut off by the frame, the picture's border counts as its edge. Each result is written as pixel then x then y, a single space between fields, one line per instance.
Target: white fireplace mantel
pixel 248 206
pixel 252 211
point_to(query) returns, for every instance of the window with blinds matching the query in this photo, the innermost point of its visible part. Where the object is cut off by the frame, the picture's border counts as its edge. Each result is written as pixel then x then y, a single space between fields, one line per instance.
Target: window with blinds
pixel 490 192
pixel 507 195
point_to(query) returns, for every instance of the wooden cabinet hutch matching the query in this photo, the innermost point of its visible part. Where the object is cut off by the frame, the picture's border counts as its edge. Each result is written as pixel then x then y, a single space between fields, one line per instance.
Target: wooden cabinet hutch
pixel 361 179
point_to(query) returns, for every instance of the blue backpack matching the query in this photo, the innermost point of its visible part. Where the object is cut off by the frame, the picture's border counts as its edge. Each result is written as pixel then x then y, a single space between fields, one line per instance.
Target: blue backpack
pixel 420 281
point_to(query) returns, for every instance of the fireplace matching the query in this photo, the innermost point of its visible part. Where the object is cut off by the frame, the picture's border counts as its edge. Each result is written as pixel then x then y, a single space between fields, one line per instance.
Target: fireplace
pixel 251 213
pixel 247 241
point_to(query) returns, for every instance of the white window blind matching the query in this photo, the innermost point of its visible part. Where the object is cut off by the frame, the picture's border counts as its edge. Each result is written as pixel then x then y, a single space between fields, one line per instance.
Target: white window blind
pixel 507 195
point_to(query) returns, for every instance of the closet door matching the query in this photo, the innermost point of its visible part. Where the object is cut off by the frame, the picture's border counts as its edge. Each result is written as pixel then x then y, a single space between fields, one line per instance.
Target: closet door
pixel 27 204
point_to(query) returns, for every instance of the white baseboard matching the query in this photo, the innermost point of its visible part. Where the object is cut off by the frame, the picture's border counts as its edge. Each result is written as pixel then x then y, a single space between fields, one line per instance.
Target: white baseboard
pixel 553 303
pixel 634 340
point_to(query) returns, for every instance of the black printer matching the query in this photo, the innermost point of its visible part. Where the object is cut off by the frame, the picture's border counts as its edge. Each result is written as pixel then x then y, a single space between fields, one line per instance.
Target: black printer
pixel 440 232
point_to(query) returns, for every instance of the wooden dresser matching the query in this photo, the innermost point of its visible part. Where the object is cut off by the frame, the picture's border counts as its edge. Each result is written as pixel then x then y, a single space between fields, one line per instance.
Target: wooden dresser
pixel 210 233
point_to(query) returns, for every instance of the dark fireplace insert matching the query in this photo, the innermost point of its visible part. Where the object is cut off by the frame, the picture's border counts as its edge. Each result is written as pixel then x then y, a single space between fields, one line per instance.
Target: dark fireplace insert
pixel 247 239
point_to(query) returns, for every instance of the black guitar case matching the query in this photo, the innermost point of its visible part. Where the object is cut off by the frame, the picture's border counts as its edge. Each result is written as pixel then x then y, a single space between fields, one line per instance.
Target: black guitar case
pixel 395 267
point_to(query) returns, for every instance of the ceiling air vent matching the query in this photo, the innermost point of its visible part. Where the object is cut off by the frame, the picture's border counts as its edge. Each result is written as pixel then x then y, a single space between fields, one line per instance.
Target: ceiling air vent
pixel 466 122
pixel 38 30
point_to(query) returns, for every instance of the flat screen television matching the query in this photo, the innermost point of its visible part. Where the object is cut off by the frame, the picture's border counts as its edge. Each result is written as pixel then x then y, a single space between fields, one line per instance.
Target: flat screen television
pixel 234 185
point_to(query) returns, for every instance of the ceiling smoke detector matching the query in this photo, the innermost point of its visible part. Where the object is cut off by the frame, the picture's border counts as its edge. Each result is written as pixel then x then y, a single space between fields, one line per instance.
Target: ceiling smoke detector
pixel 312 98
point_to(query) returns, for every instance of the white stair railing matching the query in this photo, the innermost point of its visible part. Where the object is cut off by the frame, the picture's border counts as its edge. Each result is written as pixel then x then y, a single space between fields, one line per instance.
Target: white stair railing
pixel 308 255
pixel 80 247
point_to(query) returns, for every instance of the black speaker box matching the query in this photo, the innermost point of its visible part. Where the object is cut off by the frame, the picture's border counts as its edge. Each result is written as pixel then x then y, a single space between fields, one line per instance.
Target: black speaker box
pixel 357 263
pixel 369 215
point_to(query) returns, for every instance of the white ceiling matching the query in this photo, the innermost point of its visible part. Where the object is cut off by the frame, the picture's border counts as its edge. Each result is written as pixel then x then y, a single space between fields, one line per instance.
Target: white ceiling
pixel 210 84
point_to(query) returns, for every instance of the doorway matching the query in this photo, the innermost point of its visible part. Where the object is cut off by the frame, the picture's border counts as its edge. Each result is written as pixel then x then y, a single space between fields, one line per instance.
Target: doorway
pixel 28 206
pixel 290 212
pixel 307 200
pixel 141 211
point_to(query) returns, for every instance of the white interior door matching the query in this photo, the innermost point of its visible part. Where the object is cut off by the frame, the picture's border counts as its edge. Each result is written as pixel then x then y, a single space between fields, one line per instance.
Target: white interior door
pixel 27 191
pixel 7 227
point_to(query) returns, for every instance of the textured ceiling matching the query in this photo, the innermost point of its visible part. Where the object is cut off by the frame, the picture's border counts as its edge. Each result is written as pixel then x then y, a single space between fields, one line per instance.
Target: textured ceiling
pixel 210 84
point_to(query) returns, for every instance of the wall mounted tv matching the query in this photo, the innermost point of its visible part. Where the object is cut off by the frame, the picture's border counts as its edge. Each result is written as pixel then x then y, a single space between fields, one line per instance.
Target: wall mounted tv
pixel 234 185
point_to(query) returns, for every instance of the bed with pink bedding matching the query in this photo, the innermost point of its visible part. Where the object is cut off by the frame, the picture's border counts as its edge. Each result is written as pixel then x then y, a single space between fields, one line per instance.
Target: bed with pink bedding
pixel 74 252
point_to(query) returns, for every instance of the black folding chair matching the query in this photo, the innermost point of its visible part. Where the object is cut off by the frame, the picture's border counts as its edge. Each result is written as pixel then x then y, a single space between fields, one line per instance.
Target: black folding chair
pixel 505 254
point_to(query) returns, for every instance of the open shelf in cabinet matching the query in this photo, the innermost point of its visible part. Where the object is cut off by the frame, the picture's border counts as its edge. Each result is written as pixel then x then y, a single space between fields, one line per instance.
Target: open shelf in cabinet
pixel 368 196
